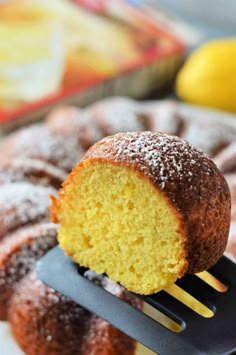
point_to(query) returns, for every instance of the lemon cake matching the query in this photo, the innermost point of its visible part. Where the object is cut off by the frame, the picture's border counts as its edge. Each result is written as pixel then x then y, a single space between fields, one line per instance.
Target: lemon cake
pixel 144 208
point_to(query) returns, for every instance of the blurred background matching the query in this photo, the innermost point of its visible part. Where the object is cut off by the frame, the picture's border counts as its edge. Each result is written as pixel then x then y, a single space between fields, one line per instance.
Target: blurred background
pixel 214 18
pixel 80 51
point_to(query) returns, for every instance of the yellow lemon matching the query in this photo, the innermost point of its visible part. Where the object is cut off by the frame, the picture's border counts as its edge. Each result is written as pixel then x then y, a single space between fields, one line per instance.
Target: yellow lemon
pixel 208 77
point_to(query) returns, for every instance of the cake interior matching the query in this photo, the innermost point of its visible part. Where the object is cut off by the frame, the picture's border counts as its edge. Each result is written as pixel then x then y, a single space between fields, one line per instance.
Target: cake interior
pixel 115 221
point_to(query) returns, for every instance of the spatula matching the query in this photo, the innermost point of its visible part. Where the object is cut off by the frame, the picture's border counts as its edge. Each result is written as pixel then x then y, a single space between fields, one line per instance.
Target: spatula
pixel 199 335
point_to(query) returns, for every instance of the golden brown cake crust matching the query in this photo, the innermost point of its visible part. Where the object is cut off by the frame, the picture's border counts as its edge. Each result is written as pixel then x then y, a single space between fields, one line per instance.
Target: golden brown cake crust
pixel 190 180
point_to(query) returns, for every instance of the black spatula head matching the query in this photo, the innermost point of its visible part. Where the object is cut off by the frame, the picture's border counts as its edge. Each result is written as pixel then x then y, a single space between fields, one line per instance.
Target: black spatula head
pixel 216 335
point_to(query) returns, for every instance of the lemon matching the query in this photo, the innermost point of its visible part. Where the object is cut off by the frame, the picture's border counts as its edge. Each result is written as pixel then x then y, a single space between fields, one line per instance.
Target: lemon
pixel 208 77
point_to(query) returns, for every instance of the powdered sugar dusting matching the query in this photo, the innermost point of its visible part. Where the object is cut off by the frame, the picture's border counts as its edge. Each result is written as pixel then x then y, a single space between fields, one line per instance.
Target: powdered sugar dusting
pixel 32 170
pixel 164 158
pixel 41 303
pixel 165 118
pixel 38 142
pixel 117 115
pixel 86 129
pixel 106 283
pixel 22 203
pixel 76 325
pixel 226 159
pixel 209 137
pixel 79 125
pixel 20 251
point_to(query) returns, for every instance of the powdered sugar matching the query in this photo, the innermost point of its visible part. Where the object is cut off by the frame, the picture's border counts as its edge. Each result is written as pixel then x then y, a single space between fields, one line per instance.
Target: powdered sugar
pixel 117 115
pixel 165 118
pixel 162 156
pixel 37 141
pixel 226 159
pixel 74 123
pixel 209 137
pixel 69 323
pixel 20 251
pixel 22 203
pixel 32 170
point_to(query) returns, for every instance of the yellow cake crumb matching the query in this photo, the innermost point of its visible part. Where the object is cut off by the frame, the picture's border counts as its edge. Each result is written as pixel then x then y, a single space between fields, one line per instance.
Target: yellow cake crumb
pixel 115 221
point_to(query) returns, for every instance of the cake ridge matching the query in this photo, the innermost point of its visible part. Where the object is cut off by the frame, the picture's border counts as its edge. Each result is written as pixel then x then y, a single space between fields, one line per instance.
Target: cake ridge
pixel 61 141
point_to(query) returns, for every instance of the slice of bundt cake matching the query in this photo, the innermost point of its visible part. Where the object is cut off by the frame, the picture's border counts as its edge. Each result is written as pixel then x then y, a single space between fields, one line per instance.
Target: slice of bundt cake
pixel 45 322
pixel 145 208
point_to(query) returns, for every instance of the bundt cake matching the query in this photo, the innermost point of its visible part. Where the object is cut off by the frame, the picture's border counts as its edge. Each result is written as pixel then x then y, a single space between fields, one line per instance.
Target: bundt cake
pixel 18 253
pixel 45 322
pixel 144 208
pixel 33 162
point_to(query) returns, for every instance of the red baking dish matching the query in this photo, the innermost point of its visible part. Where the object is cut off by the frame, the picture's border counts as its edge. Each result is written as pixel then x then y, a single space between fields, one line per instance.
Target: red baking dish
pixel 158 54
